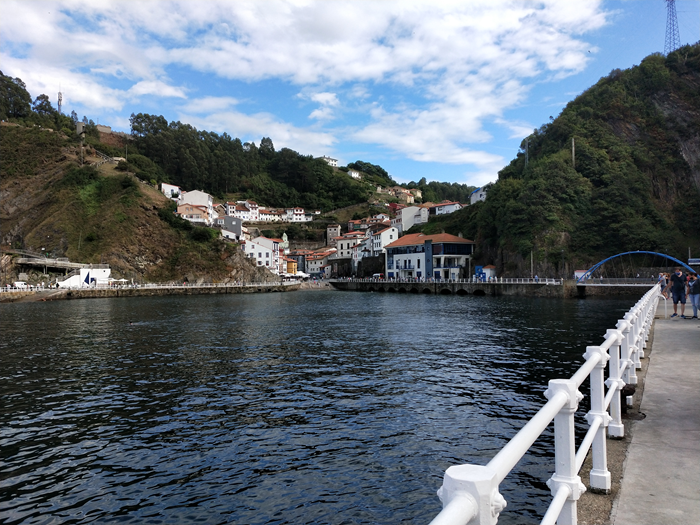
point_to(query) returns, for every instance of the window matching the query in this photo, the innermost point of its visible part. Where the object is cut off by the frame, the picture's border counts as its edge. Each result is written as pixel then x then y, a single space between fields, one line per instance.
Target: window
pixel 418 263
pixel 267 255
pixel 259 255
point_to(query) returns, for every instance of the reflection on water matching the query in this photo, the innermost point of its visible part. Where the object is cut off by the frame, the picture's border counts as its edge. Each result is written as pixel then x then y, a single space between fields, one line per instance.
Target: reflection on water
pixel 301 407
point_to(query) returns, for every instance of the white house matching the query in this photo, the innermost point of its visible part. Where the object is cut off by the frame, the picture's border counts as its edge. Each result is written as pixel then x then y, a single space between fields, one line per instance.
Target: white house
pixel 330 161
pixel 295 214
pixel 170 190
pixel 248 211
pixel 477 195
pixel 265 252
pixel 409 216
pixel 381 238
pixel 489 272
pixel 445 207
pixel 346 243
pixel 269 215
pixel 199 198
pixel 355 174
pixel 316 262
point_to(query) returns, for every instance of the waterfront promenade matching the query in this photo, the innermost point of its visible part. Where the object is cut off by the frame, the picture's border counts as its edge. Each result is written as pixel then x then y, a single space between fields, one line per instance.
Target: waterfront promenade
pixel 662 469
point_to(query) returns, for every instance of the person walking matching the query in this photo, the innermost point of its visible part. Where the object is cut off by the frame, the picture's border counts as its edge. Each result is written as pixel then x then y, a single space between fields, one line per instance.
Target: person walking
pixel 678 287
pixel 694 293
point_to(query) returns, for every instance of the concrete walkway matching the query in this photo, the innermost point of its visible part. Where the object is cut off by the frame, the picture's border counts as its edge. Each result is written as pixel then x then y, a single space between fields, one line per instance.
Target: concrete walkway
pixel 661 480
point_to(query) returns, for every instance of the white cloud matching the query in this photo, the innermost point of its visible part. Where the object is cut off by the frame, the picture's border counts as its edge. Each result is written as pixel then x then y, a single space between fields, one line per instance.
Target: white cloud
pixel 519 129
pixel 418 78
pixel 255 127
pixel 326 99
pixel 209 104
pixel 156 87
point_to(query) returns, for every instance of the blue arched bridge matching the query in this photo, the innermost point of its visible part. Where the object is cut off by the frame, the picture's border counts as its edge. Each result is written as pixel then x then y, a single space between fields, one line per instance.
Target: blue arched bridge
pixel 589 273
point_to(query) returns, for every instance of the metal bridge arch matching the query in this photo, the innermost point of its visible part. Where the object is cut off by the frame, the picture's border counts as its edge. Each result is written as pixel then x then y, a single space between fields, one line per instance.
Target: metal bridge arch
pixel 592 269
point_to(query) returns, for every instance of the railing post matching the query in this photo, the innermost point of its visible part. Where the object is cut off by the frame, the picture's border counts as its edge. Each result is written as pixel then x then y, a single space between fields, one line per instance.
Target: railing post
pixel 637 350
pixel 599 476
pixel 469 494
pixel 615 428
pixel 627 349
pixel 565 474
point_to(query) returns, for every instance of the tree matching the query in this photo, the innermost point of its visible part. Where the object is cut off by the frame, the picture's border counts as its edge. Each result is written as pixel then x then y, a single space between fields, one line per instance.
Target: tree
pixel 267 148
pixel 42 106
pixel 15 101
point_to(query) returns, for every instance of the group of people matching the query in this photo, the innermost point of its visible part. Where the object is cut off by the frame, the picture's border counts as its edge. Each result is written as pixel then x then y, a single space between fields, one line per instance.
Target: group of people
pixel 680 287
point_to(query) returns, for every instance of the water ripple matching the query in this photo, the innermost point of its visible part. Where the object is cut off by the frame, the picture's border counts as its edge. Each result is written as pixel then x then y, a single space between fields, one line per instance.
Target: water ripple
pixel 283 408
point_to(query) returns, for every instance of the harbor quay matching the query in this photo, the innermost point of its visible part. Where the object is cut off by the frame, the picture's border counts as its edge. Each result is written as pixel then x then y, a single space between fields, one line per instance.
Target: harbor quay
pixel 561 288
pixel 147 290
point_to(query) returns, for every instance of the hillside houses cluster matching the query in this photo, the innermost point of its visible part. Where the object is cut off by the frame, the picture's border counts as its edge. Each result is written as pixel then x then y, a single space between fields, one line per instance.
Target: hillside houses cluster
pixel 373 245
pixel 198 207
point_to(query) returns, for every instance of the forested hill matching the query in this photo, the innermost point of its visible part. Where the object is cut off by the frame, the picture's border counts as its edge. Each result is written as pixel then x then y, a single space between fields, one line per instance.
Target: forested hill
pixel 220 164
pixel 632 182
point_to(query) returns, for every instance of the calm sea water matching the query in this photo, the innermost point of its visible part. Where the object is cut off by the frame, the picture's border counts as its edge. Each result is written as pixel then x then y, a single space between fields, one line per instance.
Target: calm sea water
pixel 306 407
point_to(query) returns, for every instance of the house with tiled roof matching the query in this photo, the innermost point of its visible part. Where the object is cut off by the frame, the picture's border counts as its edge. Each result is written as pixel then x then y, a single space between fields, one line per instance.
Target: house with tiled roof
pixel 345 243
pixel 317 261
pixel 193 213
pixel 444 208
pixel 265 252
pixel 300 257
pixel 199 198
pixel 420 256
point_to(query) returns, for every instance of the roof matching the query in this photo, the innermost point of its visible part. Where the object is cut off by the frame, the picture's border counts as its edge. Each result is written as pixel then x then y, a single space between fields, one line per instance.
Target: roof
pixel 420 238
pixel 490 266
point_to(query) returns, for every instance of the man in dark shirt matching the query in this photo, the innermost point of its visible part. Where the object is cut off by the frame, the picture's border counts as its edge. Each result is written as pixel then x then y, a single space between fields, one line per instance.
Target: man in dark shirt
pixel 678 286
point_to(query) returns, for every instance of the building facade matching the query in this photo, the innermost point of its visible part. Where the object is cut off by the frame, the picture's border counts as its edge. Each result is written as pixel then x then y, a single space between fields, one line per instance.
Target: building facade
pixel 419 256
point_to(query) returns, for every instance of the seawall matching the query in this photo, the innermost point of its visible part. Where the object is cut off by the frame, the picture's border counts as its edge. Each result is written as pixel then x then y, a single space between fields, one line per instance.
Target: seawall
pixel 92 293
pixel 566 289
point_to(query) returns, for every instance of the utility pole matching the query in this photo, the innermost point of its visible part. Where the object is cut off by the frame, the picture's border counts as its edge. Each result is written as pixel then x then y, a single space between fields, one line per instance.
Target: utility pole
pixel 573 153
pixel 673 37
pixel 527 150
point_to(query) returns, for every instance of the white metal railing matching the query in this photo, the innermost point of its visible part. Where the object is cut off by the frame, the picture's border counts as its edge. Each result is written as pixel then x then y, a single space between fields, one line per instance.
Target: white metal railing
pixel 499 280
pixel 469 493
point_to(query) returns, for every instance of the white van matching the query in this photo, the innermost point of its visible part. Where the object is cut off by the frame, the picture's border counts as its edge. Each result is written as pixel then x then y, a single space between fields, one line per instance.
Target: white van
pixel 20 284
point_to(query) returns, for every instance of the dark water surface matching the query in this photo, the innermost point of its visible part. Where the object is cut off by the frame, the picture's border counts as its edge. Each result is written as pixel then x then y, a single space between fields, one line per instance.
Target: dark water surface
pixel 306 407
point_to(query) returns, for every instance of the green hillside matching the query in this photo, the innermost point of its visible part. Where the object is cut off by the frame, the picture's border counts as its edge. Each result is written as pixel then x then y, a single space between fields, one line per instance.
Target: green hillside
pixel 632 182
pixel 52 205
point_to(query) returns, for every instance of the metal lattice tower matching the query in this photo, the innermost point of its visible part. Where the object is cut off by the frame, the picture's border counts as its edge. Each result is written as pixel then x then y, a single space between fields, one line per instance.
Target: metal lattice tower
pixel 60 101
pixel 673 38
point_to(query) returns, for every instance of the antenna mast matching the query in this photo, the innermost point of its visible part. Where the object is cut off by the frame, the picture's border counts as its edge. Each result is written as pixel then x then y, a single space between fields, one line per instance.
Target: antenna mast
pixel 673 38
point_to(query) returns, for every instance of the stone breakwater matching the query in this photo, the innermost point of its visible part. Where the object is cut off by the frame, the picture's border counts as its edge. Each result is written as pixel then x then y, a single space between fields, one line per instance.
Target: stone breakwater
pixel 567 289
pixel 92 293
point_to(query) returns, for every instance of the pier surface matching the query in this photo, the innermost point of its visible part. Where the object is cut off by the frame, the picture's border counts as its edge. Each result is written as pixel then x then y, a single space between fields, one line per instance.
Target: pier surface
pixel 662 470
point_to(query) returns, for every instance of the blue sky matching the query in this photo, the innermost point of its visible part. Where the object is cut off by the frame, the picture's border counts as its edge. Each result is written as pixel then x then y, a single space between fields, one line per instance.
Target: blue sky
pixel 443 90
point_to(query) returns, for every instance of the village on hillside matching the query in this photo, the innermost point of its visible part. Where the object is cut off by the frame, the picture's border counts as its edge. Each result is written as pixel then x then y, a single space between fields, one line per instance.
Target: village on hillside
pixel 370 247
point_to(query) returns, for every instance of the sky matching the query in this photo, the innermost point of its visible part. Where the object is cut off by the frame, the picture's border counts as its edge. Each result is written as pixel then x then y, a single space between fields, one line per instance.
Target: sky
pixel 443 90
